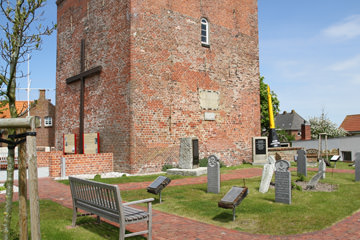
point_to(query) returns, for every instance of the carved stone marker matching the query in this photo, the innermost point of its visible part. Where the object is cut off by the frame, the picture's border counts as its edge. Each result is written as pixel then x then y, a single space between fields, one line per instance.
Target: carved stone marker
pixel 301 162
pixel 267 174
pixel 233 198
pixel 213 175
pixel 282 182
pixel 314 181
pixel 322 168
pixel 260 150
pixel 189 153
pixel 357 166
pixel 158 185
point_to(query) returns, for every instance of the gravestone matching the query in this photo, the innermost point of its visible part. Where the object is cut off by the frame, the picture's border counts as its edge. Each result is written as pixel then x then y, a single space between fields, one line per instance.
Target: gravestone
pixel 357 166
pixel 267 174
pixel 301 162
pixel 314 181
pixel 322 168
pixel 233 198
pixel 158 185
pixel 260 150
pixel 213 175
pixel 282 182
pixel 189 153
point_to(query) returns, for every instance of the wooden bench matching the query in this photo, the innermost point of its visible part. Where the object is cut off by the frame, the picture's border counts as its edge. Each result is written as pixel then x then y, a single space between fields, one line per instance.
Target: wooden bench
pixel 104 200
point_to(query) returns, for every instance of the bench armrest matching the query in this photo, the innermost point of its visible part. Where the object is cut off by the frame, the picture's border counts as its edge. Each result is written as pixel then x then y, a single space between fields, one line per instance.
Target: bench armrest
pixel 139 201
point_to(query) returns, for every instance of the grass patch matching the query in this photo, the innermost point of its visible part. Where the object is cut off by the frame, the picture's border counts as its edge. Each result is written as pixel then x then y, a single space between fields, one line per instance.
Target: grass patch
pixel 258 213
pixel 55 223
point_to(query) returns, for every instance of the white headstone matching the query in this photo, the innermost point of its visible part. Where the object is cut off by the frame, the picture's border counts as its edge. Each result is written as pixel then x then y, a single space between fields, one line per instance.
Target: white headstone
pixel 213 175
pixel 322 168
pixel 267 174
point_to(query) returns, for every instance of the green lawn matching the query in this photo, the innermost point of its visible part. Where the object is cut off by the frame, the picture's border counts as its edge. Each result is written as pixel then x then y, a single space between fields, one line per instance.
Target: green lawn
pixel 258 213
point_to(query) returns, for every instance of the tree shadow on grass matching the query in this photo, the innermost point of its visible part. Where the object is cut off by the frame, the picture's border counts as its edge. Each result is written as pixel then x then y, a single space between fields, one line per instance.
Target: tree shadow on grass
pixel 224 217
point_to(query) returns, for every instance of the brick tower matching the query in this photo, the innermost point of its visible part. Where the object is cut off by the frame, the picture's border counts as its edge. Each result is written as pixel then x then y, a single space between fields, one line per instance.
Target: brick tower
pixel 151 72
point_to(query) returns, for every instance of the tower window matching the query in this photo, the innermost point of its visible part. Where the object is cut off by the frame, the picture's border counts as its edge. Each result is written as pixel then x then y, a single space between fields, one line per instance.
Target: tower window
pixel 205 32
pixel 48 121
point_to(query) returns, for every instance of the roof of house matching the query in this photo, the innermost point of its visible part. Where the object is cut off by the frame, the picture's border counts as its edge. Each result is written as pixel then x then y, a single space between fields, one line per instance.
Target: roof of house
pixel 351 123
pixel 289 121
pixel 20 107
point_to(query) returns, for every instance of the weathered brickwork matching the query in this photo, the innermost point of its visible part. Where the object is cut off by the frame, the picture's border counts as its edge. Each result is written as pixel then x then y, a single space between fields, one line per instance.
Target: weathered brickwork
pixel 153 69
pixel 76 164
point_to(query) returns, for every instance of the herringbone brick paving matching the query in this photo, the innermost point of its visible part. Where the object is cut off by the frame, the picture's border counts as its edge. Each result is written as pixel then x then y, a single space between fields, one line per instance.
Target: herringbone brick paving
pixel 168 226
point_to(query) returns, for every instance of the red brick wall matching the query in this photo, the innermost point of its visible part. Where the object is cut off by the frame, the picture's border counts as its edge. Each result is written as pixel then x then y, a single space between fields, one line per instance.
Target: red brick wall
pixel 77 164
pixel 147 96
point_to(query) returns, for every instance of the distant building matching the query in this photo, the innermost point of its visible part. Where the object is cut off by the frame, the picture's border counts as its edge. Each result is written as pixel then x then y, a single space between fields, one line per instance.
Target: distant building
pixel 45 111
pixel 293 124
pixel 351 124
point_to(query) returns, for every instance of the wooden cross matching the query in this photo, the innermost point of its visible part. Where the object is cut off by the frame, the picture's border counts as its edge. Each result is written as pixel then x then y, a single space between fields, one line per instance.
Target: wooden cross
pixel 81 76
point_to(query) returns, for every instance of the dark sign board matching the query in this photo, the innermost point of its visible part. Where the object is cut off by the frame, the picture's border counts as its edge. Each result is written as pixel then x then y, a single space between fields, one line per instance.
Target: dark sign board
pixel 260 146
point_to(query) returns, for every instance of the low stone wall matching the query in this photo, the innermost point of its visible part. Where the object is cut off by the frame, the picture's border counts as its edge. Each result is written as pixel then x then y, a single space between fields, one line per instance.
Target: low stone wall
pixel 76 163
pixel 285 153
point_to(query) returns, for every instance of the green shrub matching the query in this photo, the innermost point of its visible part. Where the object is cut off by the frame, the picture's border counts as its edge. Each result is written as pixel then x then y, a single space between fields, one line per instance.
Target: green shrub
pixel 97 177
pixel 300 178
pixel 203 162
pixel 166 167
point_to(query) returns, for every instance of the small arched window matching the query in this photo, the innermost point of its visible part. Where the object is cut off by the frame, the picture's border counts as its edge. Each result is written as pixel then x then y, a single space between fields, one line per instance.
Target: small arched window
pixel 205 32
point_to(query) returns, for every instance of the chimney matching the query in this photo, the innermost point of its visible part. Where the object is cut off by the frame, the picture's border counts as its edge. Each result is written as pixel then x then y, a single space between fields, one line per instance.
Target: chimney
pixel 42 94
pixel 305 131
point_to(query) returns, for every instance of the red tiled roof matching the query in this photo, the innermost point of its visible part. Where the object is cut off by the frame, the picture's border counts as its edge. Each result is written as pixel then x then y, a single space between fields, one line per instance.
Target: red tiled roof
pixel 351 123
pixel 20 107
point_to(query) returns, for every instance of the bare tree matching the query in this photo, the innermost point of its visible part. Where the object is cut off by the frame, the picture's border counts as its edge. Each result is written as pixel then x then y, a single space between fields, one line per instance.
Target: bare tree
pixel 21 32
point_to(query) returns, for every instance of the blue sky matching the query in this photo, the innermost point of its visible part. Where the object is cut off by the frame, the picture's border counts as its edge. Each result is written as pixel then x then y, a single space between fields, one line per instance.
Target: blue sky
pixel 309 55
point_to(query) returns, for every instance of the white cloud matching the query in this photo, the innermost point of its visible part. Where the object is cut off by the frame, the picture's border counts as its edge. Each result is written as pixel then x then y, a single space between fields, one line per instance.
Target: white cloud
pixel 348 28
pixel 348 64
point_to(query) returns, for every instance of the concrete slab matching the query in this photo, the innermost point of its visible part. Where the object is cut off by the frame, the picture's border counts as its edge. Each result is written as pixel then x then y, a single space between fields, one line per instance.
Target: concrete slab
pixel 42 172
pixel 187 172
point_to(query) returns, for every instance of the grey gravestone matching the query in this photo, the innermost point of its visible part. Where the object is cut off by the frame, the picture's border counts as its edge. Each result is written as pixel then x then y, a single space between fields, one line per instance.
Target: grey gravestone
pixel 314 181
pixel 186 153
pixel 322 168
pixel 357 166
pixel 282 182
pixel 267 174
pixel 260 150
pixel 301 162
pixel 213 175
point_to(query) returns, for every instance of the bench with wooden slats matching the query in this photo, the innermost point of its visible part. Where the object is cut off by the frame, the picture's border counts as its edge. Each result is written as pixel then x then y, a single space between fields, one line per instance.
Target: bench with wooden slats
pixel 104 200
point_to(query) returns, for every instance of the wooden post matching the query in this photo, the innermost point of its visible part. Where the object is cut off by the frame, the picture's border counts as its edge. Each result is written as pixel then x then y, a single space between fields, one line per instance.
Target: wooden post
pixel 33 184
pixel 22 191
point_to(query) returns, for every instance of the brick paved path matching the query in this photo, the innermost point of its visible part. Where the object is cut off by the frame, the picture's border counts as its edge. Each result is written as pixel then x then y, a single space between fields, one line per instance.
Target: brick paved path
pixel 167 226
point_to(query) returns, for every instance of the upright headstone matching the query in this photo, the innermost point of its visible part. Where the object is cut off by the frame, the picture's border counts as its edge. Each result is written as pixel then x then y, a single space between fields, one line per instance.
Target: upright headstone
pixel 186 153
pixel 260 150
pixel 357 166
pixel 213 175
pixel 267 174
pixel 282 182
pixel 301 162
pixel 322 168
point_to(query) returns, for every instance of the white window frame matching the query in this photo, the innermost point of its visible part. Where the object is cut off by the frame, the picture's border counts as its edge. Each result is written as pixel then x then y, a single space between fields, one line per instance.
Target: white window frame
pixel 204 32
pixel 48 121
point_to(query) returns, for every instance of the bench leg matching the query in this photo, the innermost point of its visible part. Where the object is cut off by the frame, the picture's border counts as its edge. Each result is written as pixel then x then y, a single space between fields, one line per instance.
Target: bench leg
pixel 74 216
pixel 121 232
pixel 149 221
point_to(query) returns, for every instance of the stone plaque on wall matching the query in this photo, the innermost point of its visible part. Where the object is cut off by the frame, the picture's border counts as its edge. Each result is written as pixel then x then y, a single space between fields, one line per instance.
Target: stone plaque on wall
pixel 209 100
pixel 69 142
pixel 91 143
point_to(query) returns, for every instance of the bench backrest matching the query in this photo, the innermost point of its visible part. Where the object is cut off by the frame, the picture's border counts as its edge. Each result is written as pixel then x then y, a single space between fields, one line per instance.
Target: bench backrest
pixel 105 197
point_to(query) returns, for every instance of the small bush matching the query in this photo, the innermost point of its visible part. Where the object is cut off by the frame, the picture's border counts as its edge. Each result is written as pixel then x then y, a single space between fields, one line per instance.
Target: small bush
pixel 203 162
pixel 166 167
pixel 300 178
pixel 97 177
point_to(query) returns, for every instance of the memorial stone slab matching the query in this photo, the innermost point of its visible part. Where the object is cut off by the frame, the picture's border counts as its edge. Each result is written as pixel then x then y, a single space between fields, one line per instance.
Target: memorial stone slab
pixel 213 175
pixel 301 162
pixel 233 198
pixel 260 150
pixel 282 182
pixel 186 153
pixel 267 174
pixel 357 166
pixel 158 185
